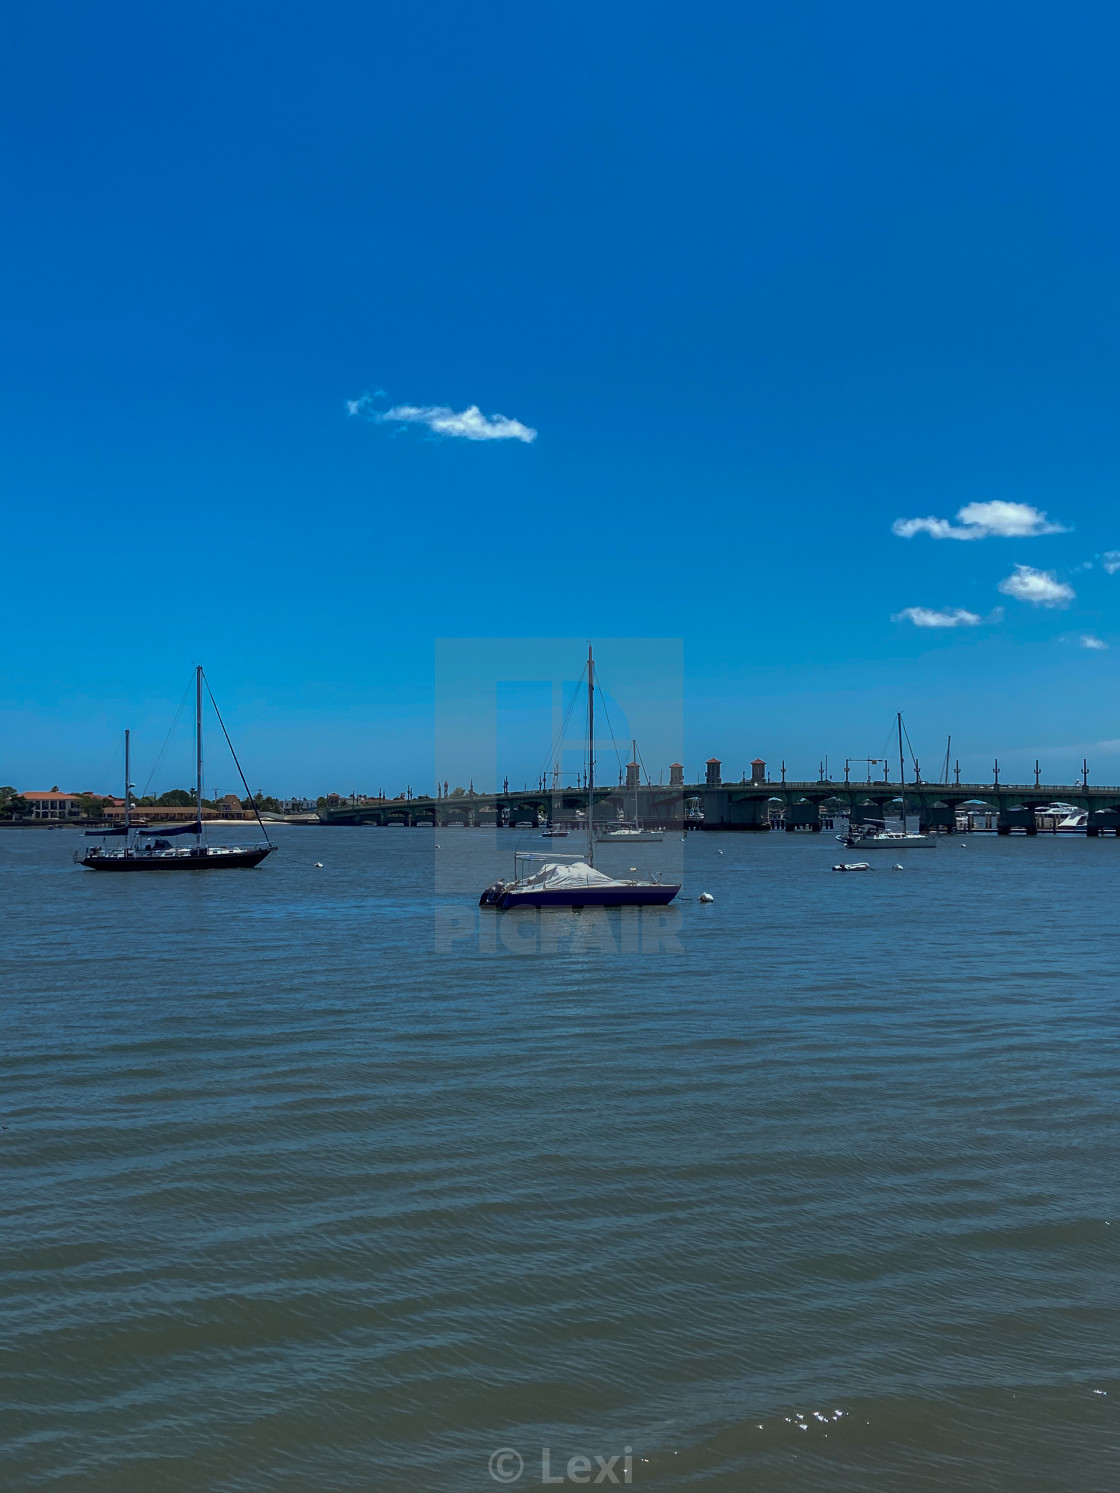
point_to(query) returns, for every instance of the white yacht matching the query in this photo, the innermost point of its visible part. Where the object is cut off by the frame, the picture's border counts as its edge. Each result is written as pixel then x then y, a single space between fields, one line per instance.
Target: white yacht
pixel 1062 819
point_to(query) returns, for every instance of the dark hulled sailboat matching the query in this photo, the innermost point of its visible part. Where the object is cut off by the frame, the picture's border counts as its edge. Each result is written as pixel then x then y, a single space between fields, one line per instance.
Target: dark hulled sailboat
pixel 572 880
pixel 149 848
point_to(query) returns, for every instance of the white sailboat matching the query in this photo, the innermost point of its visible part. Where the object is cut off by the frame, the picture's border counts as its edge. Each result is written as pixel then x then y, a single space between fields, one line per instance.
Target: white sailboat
pixel 629 831
pixel 893 839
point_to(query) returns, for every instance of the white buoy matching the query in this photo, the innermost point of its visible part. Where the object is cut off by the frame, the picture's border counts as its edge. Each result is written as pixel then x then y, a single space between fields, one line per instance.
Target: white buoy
pixel 707 896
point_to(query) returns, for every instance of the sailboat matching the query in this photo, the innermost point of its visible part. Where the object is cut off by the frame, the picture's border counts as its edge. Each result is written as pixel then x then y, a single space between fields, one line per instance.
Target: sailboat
pixel 572 880
pixel 147 848
pixel 892 839
pixel 629 831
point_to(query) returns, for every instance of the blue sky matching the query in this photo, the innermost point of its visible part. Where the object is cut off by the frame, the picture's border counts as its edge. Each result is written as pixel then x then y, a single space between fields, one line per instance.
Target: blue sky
pixel 763 280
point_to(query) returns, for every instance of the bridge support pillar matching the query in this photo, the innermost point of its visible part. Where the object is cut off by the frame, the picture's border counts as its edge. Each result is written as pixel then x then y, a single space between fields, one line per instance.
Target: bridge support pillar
pixel 803 815
pixel 1016 818
pixel 937 817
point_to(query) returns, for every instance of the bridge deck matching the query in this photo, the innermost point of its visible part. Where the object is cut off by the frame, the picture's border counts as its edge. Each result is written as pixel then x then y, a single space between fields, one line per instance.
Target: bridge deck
pixel 731 804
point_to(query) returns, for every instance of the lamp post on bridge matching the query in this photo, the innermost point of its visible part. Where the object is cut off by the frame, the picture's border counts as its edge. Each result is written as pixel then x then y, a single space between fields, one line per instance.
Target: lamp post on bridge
pixel 995 772
pixel 869 763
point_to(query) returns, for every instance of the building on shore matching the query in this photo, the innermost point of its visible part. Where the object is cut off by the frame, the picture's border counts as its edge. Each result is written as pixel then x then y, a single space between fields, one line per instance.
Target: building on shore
pixel 228 807
pixel 53 803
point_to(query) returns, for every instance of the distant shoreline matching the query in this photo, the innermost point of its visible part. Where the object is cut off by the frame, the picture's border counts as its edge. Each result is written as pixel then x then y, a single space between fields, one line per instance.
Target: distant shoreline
pixel 84 824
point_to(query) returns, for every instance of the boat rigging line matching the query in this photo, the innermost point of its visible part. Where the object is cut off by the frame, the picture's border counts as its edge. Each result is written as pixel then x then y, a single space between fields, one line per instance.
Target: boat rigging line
pixel 233 754
pixel 167 738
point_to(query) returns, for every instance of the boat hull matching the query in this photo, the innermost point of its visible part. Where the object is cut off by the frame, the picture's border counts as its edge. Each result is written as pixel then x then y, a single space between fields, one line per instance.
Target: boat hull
pixel 233 861
pixel 621 896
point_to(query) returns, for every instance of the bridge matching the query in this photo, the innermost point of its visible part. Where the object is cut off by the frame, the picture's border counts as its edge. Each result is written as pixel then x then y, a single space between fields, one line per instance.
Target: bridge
pixel 751 805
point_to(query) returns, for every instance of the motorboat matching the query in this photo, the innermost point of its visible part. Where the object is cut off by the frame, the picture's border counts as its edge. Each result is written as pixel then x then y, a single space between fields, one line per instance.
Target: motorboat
pixel 1062 819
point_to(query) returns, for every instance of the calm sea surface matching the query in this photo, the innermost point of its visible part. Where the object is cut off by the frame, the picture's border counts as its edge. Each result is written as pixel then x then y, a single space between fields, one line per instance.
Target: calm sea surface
pixel 309 1188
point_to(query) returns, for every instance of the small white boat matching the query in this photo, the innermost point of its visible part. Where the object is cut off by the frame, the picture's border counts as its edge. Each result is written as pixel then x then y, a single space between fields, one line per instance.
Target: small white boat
pixel 853 866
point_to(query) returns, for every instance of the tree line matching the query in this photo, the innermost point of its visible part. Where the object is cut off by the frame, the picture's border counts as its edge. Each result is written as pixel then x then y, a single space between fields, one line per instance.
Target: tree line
pixel 13 805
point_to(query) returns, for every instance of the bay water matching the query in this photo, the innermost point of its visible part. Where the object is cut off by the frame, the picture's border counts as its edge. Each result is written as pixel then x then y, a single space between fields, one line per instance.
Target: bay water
pixel 317 1179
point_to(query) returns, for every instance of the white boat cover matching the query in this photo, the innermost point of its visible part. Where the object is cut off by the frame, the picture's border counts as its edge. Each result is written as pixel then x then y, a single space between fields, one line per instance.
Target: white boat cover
pixel 559 877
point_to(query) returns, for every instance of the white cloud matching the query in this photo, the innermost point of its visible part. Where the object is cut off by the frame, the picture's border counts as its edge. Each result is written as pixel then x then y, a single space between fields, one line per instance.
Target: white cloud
pixel 1041 588
pixel 1087 640
pixel 470 423
pixel 926 617
pixel 1111 561
pixel 982 521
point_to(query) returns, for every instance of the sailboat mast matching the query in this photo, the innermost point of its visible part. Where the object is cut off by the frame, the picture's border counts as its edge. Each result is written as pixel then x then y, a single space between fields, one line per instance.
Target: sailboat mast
pixel 634 759
pixel 198 751
pixel 590 758
pixel 127 787
pixel 901 772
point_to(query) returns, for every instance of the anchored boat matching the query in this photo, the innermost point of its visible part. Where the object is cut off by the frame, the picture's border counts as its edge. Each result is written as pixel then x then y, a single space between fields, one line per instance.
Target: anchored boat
pixel 147 848
pixel 572 880
pixel 569 881
pixel 891 839
pixel 629 831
